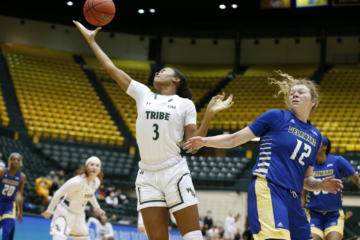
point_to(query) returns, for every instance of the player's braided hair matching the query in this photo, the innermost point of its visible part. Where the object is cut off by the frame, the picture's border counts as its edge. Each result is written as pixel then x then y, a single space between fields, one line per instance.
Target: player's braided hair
pixel 183 89
pixel 288 82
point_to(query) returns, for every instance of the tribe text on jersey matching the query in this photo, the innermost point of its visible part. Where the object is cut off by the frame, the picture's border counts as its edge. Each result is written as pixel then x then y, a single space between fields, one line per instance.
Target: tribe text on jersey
pixel 160 123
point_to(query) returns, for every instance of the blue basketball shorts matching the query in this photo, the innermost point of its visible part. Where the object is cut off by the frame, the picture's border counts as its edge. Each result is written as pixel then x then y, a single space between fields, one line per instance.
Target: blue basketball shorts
pixel 276 213
pixel 7 210
pixel 322 223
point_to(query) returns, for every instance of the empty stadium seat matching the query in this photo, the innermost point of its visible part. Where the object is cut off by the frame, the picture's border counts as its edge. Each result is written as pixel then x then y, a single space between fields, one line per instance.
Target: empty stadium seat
pixel 338 114
pixel 4 118
pixel 58 101
pixel 114 163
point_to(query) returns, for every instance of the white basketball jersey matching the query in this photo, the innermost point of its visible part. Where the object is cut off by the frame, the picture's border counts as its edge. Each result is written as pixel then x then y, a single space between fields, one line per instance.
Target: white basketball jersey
pixel 160 123
pixel 77 192
pixel 80 198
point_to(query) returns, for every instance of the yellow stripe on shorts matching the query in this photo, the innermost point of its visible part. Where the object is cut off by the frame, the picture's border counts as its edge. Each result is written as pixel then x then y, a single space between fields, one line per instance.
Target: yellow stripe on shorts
pixel 314 230
pixel 10 215
pixel 339 227
pixel 266 213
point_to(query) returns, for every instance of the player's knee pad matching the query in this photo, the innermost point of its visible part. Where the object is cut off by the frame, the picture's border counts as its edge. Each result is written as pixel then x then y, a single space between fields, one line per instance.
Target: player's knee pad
pixel 194 235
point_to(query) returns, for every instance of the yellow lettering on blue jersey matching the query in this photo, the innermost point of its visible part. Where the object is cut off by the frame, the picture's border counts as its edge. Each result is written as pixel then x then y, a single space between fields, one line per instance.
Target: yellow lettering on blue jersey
pixel 323 173
pixel 302 135
pixel 11 182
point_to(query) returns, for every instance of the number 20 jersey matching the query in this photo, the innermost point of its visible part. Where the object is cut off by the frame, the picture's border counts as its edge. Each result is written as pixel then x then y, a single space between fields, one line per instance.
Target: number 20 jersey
pixel 160 123
pixel 287 148
pixel 9 186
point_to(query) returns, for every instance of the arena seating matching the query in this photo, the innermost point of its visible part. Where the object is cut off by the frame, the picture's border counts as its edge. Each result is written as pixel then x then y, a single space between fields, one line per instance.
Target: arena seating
pixel 202 76
pixel 70 158
pixel 4 119
pixel 338 115
pixel 253 95
pixel 128 211
pixel 56 99
pixel 216 168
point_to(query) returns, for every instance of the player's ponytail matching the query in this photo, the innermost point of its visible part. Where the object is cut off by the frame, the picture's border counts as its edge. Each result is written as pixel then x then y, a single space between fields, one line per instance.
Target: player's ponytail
pixel 183 90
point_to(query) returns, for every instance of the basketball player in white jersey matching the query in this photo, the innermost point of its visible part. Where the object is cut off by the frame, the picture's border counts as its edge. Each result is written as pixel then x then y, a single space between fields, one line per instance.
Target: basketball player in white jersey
pixel 104 229
pixel 69 216
pixel 163 182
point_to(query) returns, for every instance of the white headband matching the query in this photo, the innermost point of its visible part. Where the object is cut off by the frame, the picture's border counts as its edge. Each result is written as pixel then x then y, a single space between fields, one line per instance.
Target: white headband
pixel 95 159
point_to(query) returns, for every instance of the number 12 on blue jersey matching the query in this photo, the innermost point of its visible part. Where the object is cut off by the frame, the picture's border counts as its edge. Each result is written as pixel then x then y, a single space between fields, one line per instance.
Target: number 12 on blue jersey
pixel 305 154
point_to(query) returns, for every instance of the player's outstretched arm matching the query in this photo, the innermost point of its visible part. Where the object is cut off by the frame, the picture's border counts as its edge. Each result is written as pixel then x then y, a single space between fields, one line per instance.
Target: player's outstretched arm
pixel 119 76
pixel 220 141
pixel 328 184
pixel 71 185
pixel 215 105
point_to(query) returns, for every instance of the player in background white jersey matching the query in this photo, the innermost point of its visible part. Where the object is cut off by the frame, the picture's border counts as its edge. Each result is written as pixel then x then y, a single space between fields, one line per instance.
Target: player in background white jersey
pixel 163 182
pixel 69 216
pixel 104 229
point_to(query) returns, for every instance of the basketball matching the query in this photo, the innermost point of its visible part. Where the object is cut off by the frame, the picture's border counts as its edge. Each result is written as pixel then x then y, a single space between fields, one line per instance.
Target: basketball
pixel 99 12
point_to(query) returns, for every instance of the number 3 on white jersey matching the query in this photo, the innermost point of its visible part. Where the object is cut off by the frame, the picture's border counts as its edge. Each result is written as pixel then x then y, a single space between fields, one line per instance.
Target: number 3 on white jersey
pixel 306 154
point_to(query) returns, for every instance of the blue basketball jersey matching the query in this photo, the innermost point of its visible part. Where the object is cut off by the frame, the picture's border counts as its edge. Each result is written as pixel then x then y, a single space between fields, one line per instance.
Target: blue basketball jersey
pixel 322 200
pixel 288 147
pixel 9 186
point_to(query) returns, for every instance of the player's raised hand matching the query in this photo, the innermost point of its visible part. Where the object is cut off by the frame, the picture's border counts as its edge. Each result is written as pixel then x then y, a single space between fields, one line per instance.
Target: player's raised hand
pixel 217 103
pixel 332 185
pixel 46 214
pixel 194 143
pixel 100 212
pixel 88 34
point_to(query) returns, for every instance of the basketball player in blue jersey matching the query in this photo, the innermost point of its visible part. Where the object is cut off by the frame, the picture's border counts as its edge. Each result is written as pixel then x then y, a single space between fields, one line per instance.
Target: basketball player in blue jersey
pixel 288 147
pixel 11 190
pixel 323 209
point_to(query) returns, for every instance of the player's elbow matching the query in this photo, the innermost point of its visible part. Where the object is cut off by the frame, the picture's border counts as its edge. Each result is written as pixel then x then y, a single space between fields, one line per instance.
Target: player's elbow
pixel 232 141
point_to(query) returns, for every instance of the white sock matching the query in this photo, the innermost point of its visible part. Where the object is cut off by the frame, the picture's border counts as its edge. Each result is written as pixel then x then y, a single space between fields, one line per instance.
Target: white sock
pixel 194 235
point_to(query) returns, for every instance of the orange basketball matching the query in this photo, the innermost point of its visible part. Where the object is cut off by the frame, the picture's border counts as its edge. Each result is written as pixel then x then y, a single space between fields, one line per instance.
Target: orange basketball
pixel 99 12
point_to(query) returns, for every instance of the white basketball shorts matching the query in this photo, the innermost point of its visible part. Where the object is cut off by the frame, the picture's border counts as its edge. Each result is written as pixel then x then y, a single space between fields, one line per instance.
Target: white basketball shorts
pixel 171 187
pixel 66 223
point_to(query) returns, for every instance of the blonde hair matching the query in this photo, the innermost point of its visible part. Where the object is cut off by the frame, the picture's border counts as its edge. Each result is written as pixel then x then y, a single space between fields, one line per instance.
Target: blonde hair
pixel 288 82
